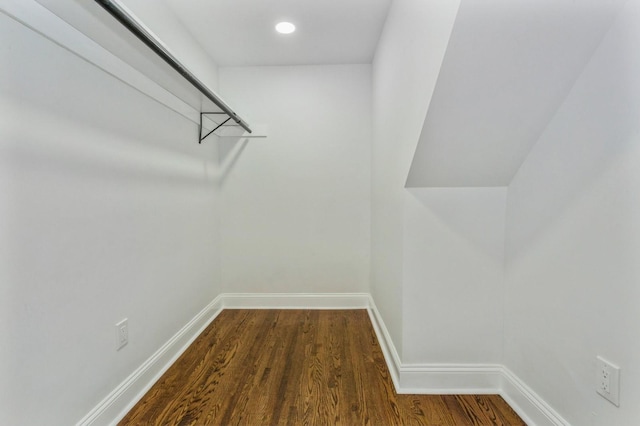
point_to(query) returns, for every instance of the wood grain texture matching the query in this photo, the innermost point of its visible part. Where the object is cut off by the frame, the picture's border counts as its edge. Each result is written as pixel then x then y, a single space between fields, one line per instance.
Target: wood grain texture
pixel 298 367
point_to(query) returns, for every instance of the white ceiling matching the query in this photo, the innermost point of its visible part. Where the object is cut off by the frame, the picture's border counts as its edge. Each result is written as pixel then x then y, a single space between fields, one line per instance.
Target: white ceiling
pixel 241 32
pixel 508 67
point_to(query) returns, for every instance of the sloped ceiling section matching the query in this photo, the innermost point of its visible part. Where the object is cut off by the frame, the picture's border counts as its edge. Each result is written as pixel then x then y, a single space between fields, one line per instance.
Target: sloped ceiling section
pixel 508 67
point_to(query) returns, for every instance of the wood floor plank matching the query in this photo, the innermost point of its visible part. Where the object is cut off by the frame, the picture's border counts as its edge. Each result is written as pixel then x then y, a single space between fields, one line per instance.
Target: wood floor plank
pixel 290 367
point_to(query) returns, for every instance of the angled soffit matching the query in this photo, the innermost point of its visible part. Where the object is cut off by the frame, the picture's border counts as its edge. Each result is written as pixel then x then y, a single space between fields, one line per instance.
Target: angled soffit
pixel 508 67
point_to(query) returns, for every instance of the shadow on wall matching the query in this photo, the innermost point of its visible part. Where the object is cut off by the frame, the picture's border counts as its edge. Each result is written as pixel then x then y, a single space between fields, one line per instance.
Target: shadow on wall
pixel 593 131
pixel 468 213
pixel 87 124
pixel 229 151
pixel 62 145
pixel 544 206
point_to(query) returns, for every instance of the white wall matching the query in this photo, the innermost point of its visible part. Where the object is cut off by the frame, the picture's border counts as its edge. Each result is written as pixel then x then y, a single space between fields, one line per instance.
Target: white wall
pixel 508 67
pixel 573 241
pixel 158 18
pixel 108 209
pixel 296 206
pixel 161 19
pixel 453 275
pixel 405 70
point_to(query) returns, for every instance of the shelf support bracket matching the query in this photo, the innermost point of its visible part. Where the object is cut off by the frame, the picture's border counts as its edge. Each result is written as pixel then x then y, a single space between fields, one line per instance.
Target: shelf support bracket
pixel 218 125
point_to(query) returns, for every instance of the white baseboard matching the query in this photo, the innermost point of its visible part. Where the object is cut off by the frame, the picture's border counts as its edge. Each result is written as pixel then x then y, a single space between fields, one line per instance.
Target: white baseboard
pixel 116 405
pixel 450 379
pixel 296 300
pixel 533 409
pixel 407 378
pixel 433 378
pixel 463 379
pixel 386 343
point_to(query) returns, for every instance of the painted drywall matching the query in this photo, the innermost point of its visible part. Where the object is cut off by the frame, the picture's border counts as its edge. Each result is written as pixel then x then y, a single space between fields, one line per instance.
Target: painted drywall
pixel 573 241
pixel 241 33
pixel 405 70
pixel 160 18
pixel 109 209
pixel 453 275
pixel 90 19
pixel 508 66
pixel 296 206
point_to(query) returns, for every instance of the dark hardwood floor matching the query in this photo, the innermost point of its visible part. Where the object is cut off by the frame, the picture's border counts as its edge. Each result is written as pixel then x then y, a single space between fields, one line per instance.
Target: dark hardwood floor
pixel 298 367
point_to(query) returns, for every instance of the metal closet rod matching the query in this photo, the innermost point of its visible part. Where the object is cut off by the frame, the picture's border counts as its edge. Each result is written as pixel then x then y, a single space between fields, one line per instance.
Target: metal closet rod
pixel 139 31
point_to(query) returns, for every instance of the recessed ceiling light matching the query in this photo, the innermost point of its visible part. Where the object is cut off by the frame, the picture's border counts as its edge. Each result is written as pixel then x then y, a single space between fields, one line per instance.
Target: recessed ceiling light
pixel 285 27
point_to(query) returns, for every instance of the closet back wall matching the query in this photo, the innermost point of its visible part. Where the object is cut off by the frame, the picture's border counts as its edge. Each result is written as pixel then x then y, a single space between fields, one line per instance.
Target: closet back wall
pixel 108 209
pixel 296 206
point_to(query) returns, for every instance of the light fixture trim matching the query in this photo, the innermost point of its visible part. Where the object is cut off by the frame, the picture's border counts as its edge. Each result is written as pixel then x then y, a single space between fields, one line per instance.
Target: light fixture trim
pixel 285 27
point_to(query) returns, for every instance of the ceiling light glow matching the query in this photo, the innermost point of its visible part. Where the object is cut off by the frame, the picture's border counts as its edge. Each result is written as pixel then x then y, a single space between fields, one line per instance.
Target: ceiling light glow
pixel 285 27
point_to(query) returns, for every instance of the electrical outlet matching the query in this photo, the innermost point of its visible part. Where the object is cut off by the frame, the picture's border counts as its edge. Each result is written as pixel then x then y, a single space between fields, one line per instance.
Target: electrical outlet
pixel 122 334
pixel 608 380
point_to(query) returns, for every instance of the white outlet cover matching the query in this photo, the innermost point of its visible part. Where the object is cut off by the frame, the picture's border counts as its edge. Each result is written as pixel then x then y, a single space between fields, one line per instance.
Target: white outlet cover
pixel 122 334
pixel 607 371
